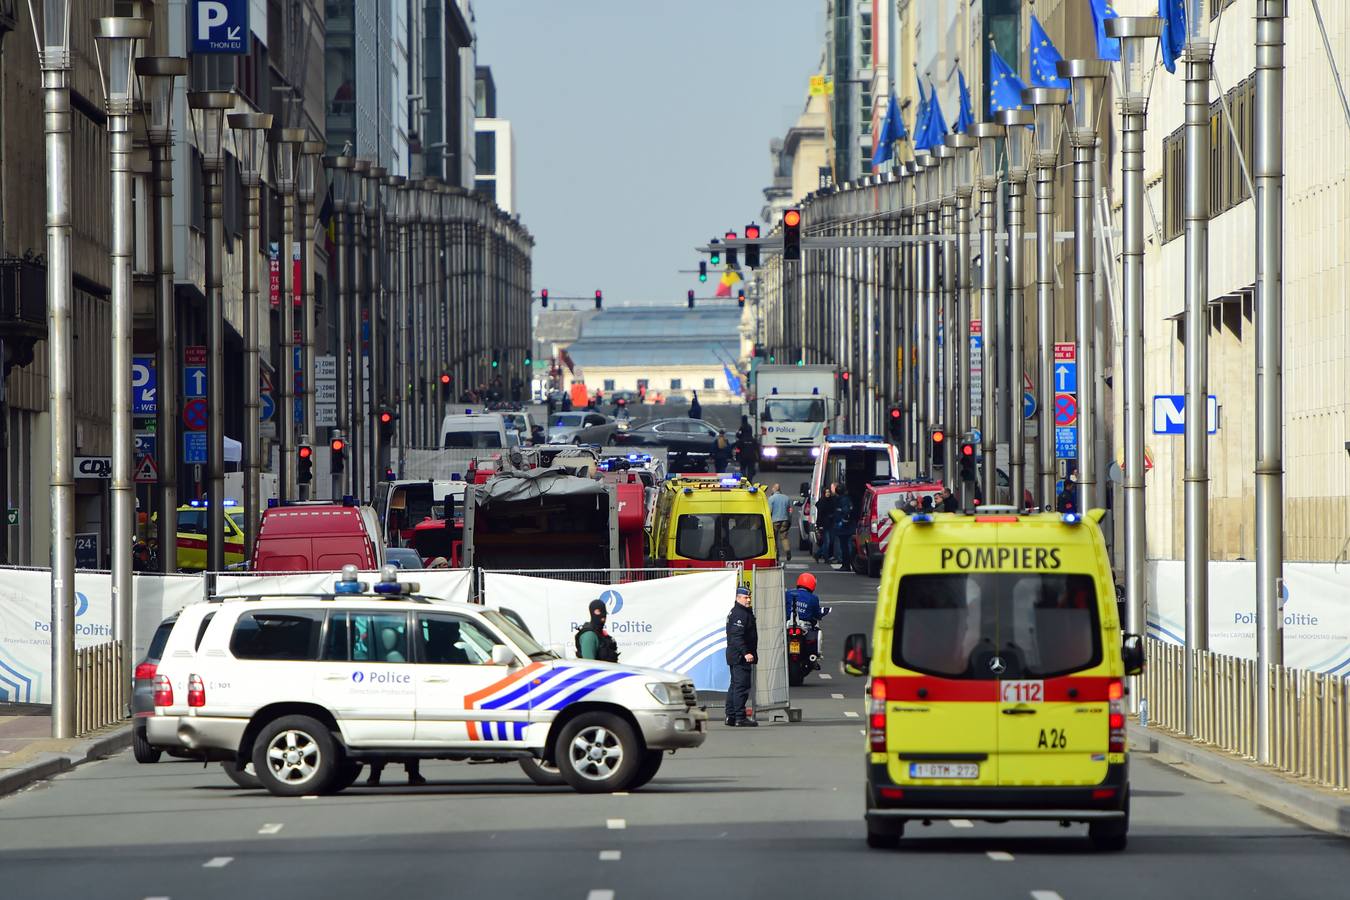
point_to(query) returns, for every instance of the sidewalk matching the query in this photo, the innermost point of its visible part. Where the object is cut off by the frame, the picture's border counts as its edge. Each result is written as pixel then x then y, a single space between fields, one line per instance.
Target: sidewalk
pixel 28 754
pixel 1319 807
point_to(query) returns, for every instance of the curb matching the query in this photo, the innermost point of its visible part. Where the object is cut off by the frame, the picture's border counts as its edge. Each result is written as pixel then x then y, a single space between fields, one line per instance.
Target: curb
pixel 1322 809
pixel 54 763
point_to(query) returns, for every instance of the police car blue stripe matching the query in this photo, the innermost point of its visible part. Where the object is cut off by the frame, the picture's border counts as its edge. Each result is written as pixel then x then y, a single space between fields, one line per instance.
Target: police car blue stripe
pixel 588 689
pixel 499 702
pixel 666 663
pixel 518 731
pixel 678 663
pixel 536 700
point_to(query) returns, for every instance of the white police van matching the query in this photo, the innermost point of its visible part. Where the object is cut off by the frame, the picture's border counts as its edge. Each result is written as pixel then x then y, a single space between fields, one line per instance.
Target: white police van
pixel 308 687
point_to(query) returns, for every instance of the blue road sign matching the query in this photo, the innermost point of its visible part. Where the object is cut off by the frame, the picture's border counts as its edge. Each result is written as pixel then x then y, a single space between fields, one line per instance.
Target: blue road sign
pixel 1028 404
pixel 220 26
pixel 145 444
pixel 976 343
pixel 1066 409
pixel 144 386
pixel 299 406
pixel 268 407
pixel 194 448
pixel 194 381
pixel 1066 442
pixel 975 437
pixel 1169 414
pixel 1066 377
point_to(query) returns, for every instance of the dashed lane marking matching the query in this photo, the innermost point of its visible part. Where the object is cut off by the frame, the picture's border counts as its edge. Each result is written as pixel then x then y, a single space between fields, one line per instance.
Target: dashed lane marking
pixel 1046 895
pixel 600 895
pixel 825 677
pixel 218 862
pixel 962 823
pixel 1000 856
pixel 271 828
pixel 616 824
pixel 610 855
pixel 850 713
pixel 619 794
pixel 310 797
pixel 836 696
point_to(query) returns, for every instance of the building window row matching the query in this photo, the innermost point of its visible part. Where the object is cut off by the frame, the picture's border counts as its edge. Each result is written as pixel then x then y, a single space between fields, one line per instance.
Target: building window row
pixel 1227 185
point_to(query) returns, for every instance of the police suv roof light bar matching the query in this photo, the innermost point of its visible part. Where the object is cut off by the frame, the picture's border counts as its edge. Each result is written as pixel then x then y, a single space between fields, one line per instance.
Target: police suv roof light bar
pixel 349 584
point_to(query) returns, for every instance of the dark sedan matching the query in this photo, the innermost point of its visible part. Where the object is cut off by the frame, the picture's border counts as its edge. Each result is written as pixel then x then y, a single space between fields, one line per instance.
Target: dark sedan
pixel 676 435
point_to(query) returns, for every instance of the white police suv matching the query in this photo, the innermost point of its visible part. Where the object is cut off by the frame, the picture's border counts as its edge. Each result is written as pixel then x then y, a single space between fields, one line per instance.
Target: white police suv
pixel 307 687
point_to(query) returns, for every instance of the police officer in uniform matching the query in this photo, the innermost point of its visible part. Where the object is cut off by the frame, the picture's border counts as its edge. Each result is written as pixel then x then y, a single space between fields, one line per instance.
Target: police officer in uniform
pixel 742 647
pixel 591 639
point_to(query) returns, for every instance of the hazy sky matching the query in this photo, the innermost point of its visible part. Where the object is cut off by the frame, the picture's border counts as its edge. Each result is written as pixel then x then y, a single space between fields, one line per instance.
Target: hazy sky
pixel 642 128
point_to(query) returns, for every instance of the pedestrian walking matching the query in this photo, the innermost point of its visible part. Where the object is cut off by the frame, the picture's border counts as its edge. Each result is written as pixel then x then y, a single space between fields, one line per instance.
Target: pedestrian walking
pixel 843 526
pixel 591 639
pixel 780 512
pixel 742 647
pixel 695 408
pixel 746 432
pixel 721 452
pixel 825 508
pixel 747 452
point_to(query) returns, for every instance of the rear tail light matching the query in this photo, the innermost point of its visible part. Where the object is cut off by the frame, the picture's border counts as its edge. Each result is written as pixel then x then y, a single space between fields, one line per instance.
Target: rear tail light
pixel 145 671
pixel 1116 718
pixel 794 632
pixel 196 691
pixel 163 691
pixel 876 717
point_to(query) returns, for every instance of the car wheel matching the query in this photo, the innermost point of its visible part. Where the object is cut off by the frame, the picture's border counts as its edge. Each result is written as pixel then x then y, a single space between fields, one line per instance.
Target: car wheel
pixel 888 839
pixel 141 749
pixel 1112 834
pixel 651 764
pixel 857 564
pixel 598 753
pixel 295 755
pixel 241 775
pixel 542 773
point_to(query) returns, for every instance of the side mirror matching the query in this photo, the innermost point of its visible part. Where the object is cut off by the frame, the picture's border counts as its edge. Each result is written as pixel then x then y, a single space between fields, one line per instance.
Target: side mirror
pixel 1132 654
pixel 856 658
pixel 502 655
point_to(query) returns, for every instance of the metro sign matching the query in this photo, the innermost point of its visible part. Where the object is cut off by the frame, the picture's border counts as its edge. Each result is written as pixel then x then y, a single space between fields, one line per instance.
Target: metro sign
pixel 220 26
pixel 1169 414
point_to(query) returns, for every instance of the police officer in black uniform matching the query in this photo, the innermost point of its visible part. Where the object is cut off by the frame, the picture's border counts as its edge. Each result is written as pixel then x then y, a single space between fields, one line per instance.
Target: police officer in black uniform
pixel 742 653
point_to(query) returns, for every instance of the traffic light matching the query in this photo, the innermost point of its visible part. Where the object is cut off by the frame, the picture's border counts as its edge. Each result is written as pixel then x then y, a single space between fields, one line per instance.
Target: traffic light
pixel 740 298
pixel 792 234
pixel 966 459
pixel 305 472
pixel 691 299
pixel 386 420
pixel 935 439
pixel 894 421
pixel 529 361
pixel 445 380
pixel 752 250
pixel 702 270
pixel 843 382
pixel 543 297
pixel 731 254
pixel 338 460
pixel 716 257
pixel 599 299
pixel 496 360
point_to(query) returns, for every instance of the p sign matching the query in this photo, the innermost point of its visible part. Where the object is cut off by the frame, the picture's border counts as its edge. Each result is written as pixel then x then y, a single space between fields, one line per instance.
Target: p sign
pixel 220 26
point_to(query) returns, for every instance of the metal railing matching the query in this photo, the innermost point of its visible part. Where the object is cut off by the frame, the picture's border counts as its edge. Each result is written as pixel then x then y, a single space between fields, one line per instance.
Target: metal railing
pixel 100 689
pixel 1310 711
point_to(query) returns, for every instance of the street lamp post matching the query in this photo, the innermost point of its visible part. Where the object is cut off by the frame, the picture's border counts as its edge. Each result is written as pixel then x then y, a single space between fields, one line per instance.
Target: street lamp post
pixel 988 135
pixel 311 152
pixel 356 206
pixel 286 148
pixel 250 143
pixel 157 75
pixel 1015 121
pixel 945 281
pixel 51 32
pixel 923 308
pixel 208 126
pixel 1087 78
pixel 116 40
pixel 907 312
pixel 375 277
pixel 341 173
pixel 963 165
pixel 1138 40
pixel 1047 105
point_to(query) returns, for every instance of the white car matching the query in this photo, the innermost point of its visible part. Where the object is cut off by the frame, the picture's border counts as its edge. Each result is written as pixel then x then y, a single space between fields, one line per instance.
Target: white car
pixel 306 688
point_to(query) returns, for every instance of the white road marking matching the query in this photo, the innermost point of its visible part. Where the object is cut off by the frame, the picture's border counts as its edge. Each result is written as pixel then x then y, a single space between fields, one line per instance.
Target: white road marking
pixel 616 824
pixel 836 696
pixel 610 855
pixel 218 862
pixel 999 856
pixel 272 828
pixel 795 566
pixel 850 713
pixel 962 823
pixel 600 895
pixel 825 677
pixel 852 602
pixel 156 898
pixel 619 794
pixel 1045 895
pixel 310 797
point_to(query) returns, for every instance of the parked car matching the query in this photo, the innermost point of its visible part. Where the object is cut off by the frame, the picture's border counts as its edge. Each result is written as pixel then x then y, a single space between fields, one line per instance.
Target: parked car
pixel 580 427
pixel 873 533
pixel 403 557
pixel 677 435
pixel 317 537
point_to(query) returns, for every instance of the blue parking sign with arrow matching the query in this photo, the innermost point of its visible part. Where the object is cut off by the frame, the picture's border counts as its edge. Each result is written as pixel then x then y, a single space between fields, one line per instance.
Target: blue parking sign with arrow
pixel 1066 377
pixel 220 26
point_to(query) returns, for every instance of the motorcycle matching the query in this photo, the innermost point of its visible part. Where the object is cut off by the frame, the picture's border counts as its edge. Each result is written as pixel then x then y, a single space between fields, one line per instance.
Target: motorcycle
pixel 803 645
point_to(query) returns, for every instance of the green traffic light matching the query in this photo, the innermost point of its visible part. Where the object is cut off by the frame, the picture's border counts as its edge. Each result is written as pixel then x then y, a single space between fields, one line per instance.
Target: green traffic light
pixel 716 259
pixel 771 360
pixel 801 362
pixel 528 362
pixel 702 276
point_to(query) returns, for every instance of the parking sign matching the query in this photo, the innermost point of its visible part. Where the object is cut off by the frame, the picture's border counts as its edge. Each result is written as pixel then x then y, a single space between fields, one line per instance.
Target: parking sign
pixel 220 26
pixel 144 384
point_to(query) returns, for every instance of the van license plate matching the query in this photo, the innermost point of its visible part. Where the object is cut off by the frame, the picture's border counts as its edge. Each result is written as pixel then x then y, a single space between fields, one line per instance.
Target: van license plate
pixel 794 646
pixel 944 770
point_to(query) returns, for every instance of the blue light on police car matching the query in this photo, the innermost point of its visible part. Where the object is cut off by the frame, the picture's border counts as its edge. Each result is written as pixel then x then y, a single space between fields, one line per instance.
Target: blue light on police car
pixel 730 481
pixel 921 519
pixel 348 584
pixel 752 489
pixel 1071 518
pixel 195 504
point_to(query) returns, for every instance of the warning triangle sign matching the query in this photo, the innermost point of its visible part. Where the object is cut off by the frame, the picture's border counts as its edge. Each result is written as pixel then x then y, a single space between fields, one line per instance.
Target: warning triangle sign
pixel 147 471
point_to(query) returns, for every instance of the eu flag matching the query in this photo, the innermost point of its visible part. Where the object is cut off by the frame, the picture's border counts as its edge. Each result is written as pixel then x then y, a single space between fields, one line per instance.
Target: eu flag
pixel 892 130
pixel 1173 15
pixel 1107 47
pixel 1005 88
pixel 920 116
pixel 1044 58
pixel 935 125
pixel 965 116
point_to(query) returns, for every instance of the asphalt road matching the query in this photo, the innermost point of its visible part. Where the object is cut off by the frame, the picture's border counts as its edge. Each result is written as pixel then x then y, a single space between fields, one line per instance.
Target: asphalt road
pixel 770 812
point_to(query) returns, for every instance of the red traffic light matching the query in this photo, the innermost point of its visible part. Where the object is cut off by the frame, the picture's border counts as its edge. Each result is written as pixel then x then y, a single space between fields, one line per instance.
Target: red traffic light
pixel 967 449
pixel 844 375
pixel 792 218
pixel 598 295
pixel 386 417
pixel 544 293
pixel 752 232
pixel 895 412
pixel 730 235
pixel 337 445
pixel 306 452
pixel 938 436
pixel 445 379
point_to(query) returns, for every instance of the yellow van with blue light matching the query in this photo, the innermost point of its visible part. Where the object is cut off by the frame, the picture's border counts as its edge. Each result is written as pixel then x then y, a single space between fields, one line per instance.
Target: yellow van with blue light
pixel 712 522
pixel 997 672
pixel 192 534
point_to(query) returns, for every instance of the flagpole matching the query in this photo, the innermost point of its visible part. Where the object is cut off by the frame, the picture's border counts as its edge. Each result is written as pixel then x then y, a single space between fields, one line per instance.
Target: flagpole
pixel 947 287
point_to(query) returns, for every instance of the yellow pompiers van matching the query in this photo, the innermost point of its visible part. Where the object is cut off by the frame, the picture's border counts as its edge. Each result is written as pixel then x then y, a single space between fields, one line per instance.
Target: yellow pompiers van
pixel 996 673
pixel 712 521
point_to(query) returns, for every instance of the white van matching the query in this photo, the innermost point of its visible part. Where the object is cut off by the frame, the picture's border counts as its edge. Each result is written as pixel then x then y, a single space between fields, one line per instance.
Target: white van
pixel 481 431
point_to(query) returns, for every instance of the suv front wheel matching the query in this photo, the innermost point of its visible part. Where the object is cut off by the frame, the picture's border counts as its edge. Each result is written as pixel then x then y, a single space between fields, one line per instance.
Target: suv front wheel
pixel 295 755
pixel 598 753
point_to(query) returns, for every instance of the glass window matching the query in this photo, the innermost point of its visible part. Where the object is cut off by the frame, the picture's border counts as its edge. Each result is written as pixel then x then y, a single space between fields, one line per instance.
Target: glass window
pixel 156 650
pixel 277 635
pixel 475 440
pixel 609 384
pixel 454 640
pixel 510 624
pixel 201 630
pixel 367 637
pixel 676 384
pixel 192 521
pixel 720 536
pixel 709 384
pixel 785 410
pixel 1039 625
